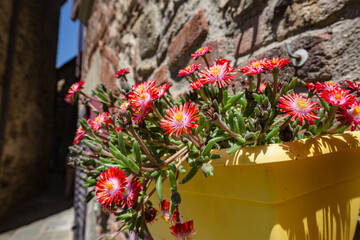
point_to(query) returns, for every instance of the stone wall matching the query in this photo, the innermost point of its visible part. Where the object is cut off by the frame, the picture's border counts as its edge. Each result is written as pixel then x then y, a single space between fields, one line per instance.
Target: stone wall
pixel 28 42
pixel 155 38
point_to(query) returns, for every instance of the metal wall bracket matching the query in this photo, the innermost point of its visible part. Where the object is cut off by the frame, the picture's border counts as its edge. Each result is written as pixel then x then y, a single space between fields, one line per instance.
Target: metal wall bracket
pixel 299 57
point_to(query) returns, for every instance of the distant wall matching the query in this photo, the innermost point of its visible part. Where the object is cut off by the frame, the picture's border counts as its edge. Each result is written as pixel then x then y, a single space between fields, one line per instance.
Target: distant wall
pixel 28 43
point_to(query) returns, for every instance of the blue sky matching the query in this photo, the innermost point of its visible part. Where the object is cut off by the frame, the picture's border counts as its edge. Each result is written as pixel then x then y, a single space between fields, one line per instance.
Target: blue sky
pixel 68 35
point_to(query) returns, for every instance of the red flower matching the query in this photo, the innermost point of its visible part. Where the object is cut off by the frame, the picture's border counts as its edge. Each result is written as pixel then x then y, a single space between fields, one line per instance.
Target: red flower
pixel 201 51
pixel 143 94
pixel 351 115
pixel 122 72
pixel 165 207
pixel 221 74
pixel 110 186
pixel 189 70
pixel 326 86
pixel 150 214
pixel 163 88
pixel 299 107
pixel 124 106
pixel 353 85
pixel 140 113
pixel 223 61
pixel 255 67
pixel 73 90
pixel 279 62
pixel 197 84
pixel 183 230
pixel 338 97
pixel 131 193
pixel 262 87
pixel 180 119
pixel 101 118
pixel 118 129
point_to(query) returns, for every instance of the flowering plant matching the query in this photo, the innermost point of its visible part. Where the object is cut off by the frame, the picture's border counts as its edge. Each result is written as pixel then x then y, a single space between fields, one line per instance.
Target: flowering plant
pixel 144 136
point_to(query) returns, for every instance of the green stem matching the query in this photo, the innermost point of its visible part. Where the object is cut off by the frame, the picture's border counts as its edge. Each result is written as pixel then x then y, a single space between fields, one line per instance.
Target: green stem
pixel 258 82
pixel 275 76
pixel 142 145
pixel 251 85
pixel 330 117
pixel 206 61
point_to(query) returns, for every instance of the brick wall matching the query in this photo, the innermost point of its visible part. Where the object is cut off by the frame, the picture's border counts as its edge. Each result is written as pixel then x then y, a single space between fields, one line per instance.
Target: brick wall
pixel 156 37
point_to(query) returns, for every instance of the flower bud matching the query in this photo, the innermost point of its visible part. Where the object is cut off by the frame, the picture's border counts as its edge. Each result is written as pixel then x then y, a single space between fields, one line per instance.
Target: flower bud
pixel 257 111
pixel 207 169
pixel 175 198
pixel 265 102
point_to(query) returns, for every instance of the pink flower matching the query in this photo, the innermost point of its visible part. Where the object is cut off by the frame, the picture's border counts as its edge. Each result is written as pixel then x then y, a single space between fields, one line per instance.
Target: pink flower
pixel 189 70
pixel 96 124
pixel 299 107
pixel 180 119
pixel 201 51
pixel 131 193
pixel 351 115
pixel 222 61
pixel 111 186
pixel 278 62
pixel 353 85
pixel 122 72
pixel 73 91
pixel 338 97
pixel 255 67
pixel 143 94
pixel 197 84
pixel 163 89
pixel 140 113
pixel 218 74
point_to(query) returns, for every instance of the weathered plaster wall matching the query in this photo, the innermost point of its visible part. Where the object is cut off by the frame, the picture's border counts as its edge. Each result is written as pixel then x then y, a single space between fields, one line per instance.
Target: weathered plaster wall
pixel 28 43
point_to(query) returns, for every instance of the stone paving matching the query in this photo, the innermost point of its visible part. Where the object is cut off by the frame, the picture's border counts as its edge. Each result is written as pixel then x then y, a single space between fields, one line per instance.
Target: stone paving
pixel 55 227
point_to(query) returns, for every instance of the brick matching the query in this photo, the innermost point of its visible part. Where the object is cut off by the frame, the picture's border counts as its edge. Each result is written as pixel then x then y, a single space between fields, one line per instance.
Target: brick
pixel 186 40
pixel 161 75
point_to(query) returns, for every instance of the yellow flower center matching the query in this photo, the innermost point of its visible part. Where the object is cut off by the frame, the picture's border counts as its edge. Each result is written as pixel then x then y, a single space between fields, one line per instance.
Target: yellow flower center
pixel 338 96
pixel 356 110
pixel 215 70
pixel 330 83
pixel 301 103
pixel 142 96
pixel 200 49
pixel 109 186
pixel 178 117
pixel 97 119
pixel 188 68
pixel 256 64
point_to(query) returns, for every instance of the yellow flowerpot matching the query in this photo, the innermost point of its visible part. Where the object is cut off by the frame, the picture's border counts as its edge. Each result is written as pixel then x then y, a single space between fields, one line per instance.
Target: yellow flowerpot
pixel 307 189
